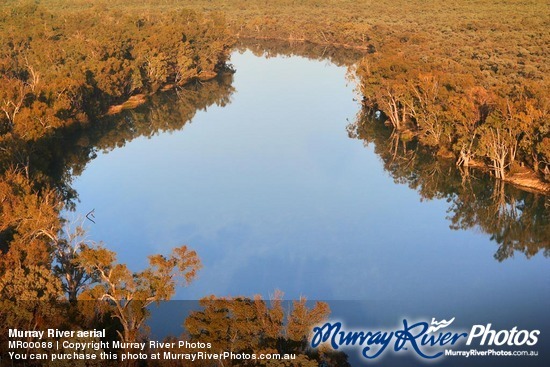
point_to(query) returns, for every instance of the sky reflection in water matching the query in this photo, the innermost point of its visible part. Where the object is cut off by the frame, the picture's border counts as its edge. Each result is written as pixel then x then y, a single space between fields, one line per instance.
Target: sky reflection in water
pixel 273 194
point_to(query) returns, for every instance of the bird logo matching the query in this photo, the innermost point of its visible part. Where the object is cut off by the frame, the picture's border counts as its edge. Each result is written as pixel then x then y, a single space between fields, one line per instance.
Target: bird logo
pixel 439 325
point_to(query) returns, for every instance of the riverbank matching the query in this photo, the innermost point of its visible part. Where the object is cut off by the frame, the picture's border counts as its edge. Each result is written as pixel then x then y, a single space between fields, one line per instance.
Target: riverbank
pixel 527 180
pixel 138 99
pixel 131 103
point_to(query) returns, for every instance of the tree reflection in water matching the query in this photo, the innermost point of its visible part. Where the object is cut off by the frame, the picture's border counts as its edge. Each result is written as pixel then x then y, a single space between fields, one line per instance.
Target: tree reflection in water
pixel 62 157
pixel 517 220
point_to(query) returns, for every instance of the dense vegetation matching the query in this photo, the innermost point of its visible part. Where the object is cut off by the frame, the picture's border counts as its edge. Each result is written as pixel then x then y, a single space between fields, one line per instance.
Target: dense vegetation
pixel 464 80
pixel 60 68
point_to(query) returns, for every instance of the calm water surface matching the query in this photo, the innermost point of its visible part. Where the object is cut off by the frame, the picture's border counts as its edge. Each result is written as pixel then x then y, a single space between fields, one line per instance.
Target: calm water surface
pixel 273 194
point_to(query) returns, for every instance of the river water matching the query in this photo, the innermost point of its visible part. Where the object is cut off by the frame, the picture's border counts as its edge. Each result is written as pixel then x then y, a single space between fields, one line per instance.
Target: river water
pixel 273 193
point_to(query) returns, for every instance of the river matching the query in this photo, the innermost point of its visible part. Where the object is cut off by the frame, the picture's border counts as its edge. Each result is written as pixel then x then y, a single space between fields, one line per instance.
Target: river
pixel 273 193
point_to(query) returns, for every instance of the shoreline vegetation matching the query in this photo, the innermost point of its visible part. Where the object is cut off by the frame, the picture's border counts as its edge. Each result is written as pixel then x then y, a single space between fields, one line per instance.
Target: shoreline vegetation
pixel 466 81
